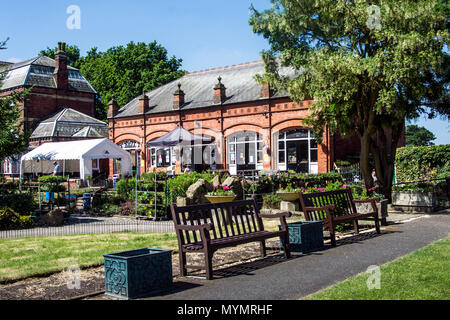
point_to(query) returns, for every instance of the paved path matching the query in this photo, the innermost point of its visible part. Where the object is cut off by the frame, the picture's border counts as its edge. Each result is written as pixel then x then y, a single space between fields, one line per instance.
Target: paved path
pixel 274 278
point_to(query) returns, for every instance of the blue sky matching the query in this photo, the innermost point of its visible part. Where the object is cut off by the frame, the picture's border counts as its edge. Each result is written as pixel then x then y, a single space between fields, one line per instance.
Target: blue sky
pixel 205 34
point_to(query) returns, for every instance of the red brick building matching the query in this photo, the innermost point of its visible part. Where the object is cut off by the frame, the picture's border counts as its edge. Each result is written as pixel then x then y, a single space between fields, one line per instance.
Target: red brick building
pixel 55 88
pixel 53 83
pixel 247 126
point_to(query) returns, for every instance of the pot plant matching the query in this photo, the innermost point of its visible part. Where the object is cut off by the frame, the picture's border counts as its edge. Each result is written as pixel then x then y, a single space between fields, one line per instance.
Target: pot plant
pixel 220 193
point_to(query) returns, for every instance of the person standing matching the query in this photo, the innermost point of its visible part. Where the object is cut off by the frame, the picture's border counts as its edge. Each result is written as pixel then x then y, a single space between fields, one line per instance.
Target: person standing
pixel 56 168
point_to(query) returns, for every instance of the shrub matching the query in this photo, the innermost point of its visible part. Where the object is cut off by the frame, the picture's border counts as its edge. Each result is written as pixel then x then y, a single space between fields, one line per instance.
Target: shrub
pixel 271 201
pixel 9 219
pixel 53 218
pixel 21 203
pixel 422 163
pixel 52 184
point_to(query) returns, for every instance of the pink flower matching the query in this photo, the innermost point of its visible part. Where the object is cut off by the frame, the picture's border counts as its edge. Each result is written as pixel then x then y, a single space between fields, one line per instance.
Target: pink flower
pixel 226 188
pixel 215 187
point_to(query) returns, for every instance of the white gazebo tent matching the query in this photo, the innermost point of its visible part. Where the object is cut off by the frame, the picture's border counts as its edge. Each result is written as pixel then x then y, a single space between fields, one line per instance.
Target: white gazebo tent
pixel 76 156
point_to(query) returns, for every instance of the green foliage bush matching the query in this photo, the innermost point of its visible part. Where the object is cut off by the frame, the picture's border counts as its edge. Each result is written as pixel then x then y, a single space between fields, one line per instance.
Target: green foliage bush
pixel 292 180
pixel 9 219
pixel 23 203
pixel 52 184
pixel 422 163
pixel 271 201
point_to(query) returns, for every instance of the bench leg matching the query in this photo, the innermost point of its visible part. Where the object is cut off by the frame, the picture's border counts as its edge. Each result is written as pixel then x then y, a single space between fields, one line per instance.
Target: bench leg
pixel 332 236
pixel 208 265
pixel 183 270
pixel 262 248
pixel 356 226
pixel 286 249
pixel 182 258
pixel 377 224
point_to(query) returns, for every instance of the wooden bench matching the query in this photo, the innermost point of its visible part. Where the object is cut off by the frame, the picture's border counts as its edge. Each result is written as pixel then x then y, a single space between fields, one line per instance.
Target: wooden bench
pixel 207 228
pixel 335 207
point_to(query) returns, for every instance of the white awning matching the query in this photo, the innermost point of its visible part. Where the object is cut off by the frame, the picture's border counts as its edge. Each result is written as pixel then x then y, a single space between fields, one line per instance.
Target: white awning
pixel 81 150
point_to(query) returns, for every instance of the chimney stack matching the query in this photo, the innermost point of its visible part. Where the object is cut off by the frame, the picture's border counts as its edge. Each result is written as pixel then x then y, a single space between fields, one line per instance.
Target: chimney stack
pixel 61 75
pixel 219 92
pixel 113 108
pixel 143 103
pixel 178 97
pixel 266 91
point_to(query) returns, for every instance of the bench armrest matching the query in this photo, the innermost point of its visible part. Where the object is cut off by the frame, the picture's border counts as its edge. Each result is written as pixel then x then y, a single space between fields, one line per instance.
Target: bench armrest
pixel 286 214
pixel 328 211
pixel 199 227
pixel 366 201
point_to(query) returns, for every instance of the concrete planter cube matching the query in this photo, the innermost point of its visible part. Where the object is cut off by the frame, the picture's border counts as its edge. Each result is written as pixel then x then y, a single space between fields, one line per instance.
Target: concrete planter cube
pixel 138 273
pixel 305 236
pixel 414 201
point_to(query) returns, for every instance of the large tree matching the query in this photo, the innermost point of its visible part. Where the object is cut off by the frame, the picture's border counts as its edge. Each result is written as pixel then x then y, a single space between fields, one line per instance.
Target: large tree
pixel 13 139
pixel 419 136
pixel 124 71
pixel 369 65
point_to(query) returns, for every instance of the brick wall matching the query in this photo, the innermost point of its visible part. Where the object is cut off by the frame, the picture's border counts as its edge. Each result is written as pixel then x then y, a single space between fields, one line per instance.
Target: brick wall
pixel 267 117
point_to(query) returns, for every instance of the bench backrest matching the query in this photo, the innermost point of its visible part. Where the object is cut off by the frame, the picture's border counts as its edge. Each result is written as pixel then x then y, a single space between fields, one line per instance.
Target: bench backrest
pixel 243 214
pixel 342 199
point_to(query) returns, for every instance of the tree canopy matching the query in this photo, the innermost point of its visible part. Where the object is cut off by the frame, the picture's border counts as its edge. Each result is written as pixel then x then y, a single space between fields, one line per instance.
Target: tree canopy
pixel 418 136
pixel 368 65
pixel 124 71
pixel 13 140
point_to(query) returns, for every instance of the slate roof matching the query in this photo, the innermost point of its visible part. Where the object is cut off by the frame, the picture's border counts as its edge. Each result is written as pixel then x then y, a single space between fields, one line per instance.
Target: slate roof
pixel 198 89
pixel 68 122
pixel 38 72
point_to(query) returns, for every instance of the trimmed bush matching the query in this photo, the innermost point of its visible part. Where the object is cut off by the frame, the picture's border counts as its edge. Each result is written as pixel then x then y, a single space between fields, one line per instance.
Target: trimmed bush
pixel 422 163
pixel 9 219
pixel 21 203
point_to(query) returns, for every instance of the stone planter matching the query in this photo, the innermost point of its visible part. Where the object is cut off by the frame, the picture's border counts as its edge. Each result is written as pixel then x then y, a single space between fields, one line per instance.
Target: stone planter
pixel 382 207
pixel 220 199
pixel 305 236
pixel 138 273
pixel 414 201
pixel 288 196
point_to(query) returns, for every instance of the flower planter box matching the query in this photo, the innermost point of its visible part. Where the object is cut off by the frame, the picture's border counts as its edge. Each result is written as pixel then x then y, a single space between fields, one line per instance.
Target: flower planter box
pixel 138 273
pixel 220 199
pixel 414 201
pixel 305 236
pixel 288 196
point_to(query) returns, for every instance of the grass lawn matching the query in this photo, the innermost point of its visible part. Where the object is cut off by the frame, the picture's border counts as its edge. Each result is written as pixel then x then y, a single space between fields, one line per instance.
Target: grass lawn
pixel 25 257
pixel 421 275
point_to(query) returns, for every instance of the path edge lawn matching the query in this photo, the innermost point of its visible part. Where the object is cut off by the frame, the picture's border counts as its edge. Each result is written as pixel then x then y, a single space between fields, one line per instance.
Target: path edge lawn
pixel 362 276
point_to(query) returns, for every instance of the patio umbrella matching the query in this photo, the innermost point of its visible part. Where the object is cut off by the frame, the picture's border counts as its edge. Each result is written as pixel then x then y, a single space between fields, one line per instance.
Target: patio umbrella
pixel 174 138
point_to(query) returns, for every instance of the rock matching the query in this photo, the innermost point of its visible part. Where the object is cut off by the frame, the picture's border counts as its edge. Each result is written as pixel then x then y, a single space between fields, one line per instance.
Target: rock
pixel 53 218
pixel 235 185
pixel 216 181
pixel 196 192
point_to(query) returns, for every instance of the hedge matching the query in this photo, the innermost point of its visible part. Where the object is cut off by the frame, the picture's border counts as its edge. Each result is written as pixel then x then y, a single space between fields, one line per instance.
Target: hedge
pixel 422 163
